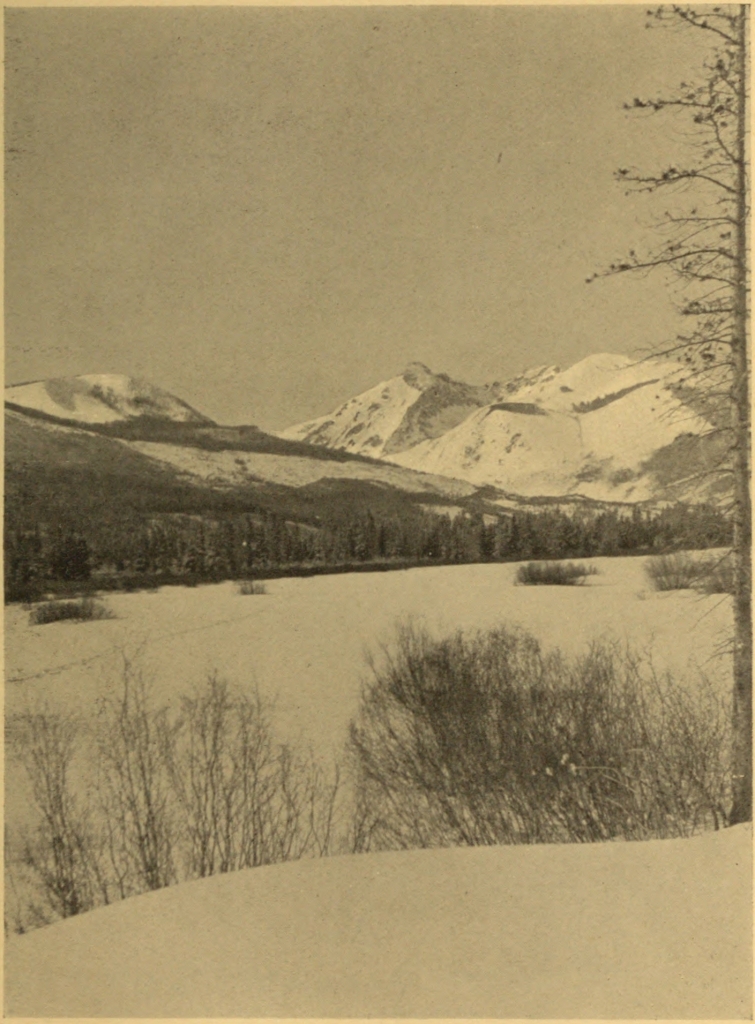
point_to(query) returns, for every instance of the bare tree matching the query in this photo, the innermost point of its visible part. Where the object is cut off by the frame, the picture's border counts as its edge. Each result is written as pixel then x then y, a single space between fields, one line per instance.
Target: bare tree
pixel 60 850
pixel 136 787
pixel 244 799
pixel 147 795
pixel 705 247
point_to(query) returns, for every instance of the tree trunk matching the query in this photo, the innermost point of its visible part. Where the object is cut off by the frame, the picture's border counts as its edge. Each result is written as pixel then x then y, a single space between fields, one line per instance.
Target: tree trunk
pixel 742 707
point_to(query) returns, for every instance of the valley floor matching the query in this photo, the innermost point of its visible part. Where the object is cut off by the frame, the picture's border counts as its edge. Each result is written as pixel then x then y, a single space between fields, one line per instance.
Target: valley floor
pixel 658 929
pixel 305 640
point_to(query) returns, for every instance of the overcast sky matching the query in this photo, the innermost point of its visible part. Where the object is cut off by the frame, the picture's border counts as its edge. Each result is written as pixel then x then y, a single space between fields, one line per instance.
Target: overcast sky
pixel 268 210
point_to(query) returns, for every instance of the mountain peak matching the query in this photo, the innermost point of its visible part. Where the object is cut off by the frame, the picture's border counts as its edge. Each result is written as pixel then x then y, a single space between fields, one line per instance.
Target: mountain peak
pixel 591 429
pixel 101 398
pixel 419 376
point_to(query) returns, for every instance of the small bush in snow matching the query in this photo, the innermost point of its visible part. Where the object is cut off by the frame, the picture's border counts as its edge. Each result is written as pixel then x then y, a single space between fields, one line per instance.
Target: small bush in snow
pixel 82 610
pixel 563 574
pixel 716 575
pixel 248 587
pixel 678 571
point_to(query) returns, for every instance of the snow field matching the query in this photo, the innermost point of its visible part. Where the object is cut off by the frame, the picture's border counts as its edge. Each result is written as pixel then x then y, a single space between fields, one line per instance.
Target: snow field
pixel 650 930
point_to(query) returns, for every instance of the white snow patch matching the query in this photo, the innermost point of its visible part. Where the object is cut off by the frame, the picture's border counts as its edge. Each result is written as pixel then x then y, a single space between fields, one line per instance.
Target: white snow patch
pixel 644 930
pixel 520 452
pixel 238 467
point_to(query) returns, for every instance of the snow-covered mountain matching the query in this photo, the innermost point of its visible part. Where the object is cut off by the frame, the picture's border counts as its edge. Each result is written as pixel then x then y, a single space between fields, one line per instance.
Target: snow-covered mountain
pixel 608 428
pixel 402 412
pixel 101 398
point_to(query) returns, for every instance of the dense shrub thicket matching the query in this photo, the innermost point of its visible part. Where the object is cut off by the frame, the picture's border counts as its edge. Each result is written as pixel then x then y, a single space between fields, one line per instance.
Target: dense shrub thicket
pixel 485 738
pixel 182 547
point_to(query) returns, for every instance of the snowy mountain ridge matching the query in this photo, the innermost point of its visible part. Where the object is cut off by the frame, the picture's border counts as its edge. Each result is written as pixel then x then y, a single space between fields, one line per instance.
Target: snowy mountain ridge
pixel 401 412
pixel 101 398
pixel 608 428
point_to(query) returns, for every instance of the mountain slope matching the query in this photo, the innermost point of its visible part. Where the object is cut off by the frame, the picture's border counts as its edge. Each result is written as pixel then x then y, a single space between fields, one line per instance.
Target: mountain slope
pixel 232 467
pixel 608 428
pixel 101 398
pixel 399 413
pixel 594 439
pixel 56 471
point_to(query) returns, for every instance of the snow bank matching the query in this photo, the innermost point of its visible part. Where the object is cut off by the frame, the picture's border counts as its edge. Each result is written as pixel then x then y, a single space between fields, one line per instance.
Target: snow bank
pixel 619 930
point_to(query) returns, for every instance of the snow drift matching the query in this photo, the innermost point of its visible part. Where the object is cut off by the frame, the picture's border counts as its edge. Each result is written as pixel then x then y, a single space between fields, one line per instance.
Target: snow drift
pixel 618 930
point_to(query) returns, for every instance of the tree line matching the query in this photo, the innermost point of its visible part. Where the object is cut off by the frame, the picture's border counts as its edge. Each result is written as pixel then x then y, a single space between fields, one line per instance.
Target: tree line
pixel 193 548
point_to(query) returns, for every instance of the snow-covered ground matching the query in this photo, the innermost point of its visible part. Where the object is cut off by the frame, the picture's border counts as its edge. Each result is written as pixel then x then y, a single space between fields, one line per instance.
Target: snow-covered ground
pixel 304 642
pixel 640 930
pixel 618 930
pixel 305 639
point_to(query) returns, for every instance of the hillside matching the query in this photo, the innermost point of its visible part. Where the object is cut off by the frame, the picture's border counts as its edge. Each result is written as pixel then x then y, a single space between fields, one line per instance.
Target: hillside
pixel 148 498
pixel 608 428
pixel 142 500
pixel 649 930
pixel 190 467
pixel 101 398
pixel 401 412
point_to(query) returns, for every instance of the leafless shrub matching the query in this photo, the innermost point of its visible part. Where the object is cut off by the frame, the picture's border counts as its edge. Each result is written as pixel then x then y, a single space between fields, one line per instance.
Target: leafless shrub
pixel 143 795
pixel 60 853
pixel 84 609
pixel 716 575
pixel 678 571
pixel 482 739
pixel 554 573
pixel 244 799
pixel 713 574
pixel 248 587
pixel 137 806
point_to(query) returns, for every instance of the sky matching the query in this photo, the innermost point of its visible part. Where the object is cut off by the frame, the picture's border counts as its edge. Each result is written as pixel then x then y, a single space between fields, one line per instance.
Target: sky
pixel 268 210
